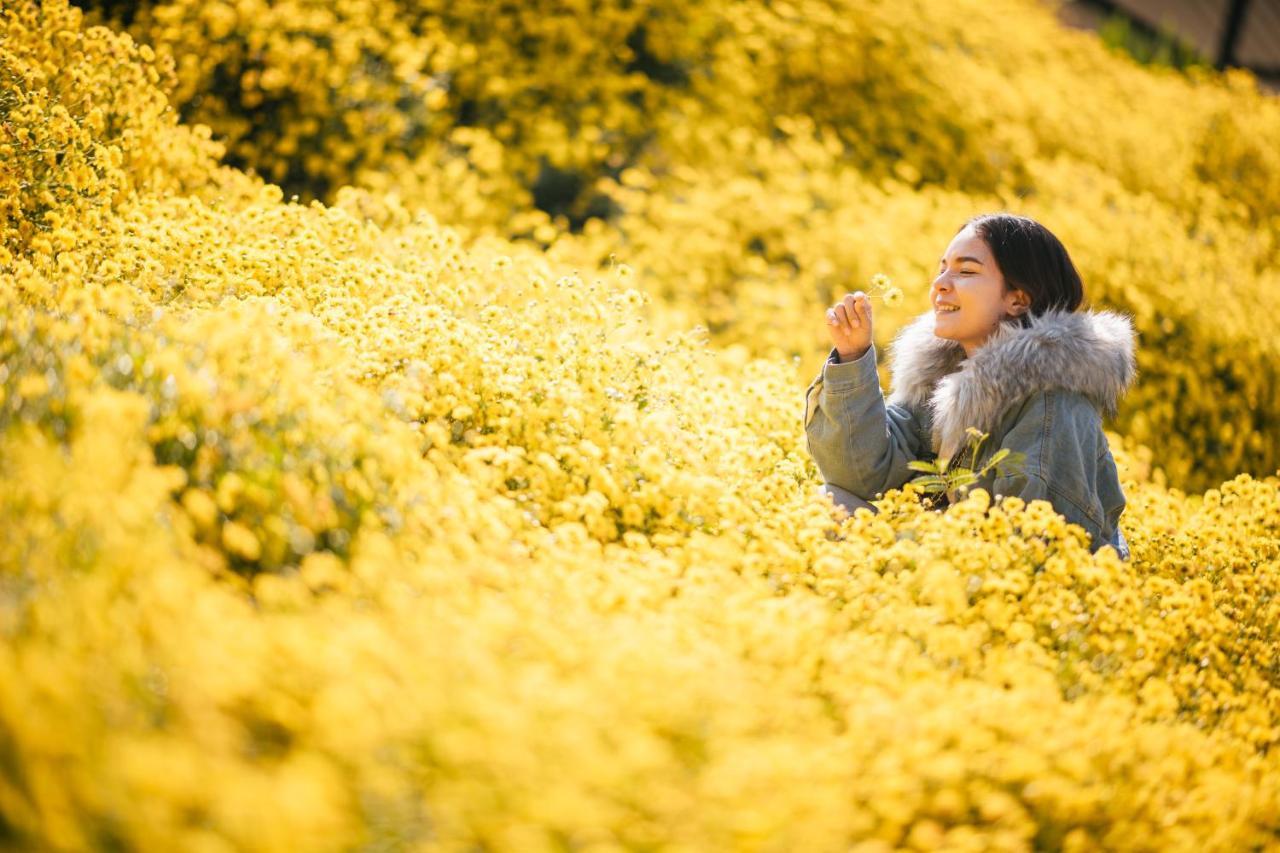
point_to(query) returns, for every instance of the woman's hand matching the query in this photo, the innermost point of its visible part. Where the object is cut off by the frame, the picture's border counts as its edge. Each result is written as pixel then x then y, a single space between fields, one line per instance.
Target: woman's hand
pixel 849 323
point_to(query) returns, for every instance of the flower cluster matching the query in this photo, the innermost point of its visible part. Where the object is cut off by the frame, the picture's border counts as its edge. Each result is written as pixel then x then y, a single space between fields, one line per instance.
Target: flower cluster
pixel 752 185
pixel 335 526
pixel 883 289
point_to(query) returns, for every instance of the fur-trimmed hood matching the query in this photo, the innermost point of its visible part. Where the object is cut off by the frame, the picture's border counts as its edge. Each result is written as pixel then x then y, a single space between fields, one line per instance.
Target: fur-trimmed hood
pixel 1091 352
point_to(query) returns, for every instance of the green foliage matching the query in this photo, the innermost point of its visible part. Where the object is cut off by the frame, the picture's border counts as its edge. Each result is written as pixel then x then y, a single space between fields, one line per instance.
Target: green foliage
pixel 943 476
pixel 1162 47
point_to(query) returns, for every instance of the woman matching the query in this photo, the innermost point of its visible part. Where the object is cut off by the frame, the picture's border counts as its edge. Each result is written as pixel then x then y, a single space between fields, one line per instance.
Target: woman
pixel 1004 350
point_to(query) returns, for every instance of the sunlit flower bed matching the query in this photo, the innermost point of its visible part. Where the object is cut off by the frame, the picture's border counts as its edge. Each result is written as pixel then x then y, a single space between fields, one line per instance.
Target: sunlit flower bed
pixel 332 525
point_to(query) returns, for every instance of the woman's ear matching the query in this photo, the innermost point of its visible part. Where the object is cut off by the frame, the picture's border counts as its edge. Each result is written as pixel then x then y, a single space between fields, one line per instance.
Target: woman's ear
pixel 1019 303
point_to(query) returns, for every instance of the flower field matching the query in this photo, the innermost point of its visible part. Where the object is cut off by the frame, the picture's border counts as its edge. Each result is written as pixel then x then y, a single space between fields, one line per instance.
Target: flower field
pixel 401 443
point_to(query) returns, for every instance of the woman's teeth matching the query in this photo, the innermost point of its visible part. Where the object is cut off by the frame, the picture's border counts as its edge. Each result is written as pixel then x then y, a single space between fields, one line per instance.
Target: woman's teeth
pixel 947 309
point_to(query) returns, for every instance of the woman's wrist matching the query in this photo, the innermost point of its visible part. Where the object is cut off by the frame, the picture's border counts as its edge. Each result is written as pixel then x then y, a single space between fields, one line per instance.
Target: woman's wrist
pixel 852 355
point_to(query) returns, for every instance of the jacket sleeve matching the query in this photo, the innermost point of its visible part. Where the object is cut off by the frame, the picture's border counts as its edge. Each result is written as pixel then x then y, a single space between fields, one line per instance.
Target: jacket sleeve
pixel 859 442
pixel 1066 452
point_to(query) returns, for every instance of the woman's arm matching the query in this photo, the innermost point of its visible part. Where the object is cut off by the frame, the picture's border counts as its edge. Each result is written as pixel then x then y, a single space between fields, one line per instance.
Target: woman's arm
pixel 860 443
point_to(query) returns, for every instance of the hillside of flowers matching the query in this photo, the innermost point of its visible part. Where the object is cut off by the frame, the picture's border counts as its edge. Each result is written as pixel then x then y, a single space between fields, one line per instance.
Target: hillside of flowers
pixel 401 444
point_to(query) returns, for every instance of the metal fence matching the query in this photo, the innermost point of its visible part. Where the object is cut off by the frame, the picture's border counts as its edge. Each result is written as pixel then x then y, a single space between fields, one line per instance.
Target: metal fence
pixel 1238 33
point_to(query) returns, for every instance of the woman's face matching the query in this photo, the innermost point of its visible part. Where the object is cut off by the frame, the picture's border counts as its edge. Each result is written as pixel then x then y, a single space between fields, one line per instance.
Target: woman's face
pixel 968 293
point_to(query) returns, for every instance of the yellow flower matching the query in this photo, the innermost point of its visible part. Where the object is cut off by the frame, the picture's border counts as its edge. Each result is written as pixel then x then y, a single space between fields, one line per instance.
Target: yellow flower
pixel 240 540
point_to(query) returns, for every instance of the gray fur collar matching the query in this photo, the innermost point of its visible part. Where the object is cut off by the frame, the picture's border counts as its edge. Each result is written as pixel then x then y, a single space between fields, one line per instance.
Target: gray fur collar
pixel 1091 352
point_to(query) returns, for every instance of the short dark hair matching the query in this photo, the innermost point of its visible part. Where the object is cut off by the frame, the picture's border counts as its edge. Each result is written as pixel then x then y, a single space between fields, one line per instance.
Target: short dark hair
pixel 1031 258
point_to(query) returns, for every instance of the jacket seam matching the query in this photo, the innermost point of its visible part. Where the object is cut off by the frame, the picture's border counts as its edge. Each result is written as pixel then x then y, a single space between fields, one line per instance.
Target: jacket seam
pixel 840 391
pixel 1046 423
pixel 808 393
pixel 1069 499
pixel 1044 434
pixel 1054 490
pixel 844 386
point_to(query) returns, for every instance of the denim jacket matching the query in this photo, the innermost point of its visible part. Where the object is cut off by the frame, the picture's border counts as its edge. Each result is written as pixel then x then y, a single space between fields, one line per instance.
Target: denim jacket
pixel 1040 388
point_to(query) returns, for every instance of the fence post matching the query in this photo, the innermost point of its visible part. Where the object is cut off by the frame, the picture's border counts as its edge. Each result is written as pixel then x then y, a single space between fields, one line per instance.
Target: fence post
pixel 1231 32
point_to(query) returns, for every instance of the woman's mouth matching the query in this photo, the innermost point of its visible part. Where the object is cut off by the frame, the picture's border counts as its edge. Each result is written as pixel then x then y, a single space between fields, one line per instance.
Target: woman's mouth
pixel 946 309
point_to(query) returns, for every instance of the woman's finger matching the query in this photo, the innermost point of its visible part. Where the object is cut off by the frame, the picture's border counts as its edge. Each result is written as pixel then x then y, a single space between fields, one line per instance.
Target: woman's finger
pixel 847 320
pixel 851 301
pixel 855 302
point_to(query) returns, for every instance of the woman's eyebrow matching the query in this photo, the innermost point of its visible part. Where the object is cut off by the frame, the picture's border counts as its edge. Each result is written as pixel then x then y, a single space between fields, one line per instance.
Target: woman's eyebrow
pixel 963 258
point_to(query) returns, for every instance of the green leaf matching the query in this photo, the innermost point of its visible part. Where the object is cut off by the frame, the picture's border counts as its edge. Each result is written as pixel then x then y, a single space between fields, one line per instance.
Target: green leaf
pixel 1011 465
pixel 921 465
pixel 998 455
pixel 930 483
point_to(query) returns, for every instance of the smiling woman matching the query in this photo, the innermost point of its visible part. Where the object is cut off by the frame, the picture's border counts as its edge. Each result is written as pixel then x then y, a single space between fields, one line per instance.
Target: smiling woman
pixel 1003 350
pixel 995 269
